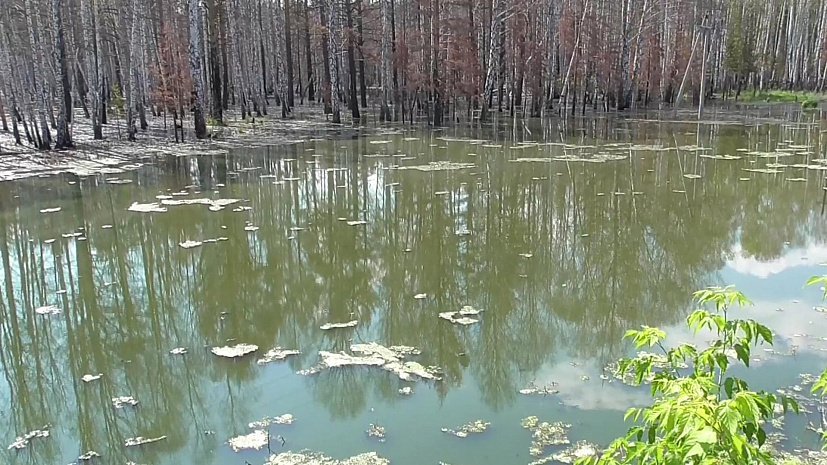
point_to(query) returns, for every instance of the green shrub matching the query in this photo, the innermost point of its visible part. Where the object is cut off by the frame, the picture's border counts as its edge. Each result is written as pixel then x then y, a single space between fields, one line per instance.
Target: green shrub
pixel 809 104
pixel 700 413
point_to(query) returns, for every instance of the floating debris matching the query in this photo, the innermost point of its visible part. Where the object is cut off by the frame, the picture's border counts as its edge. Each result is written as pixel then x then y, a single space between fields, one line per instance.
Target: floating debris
pixel 762 170
pixel 579 450
pixel 545 434
pixel 251 228
pixel 190 244
pixel 238 350
pixel 255 440
pixel 376 431
pixel 88 456
pixel 357 223
pixel 178 351
pixel 276 354
pixel 50 210
pixel 388 358
pixel 314 458
pixel 71 235
pixel 456 318
pixel 22 441
pixel 721 157
pixel 595 158
pixel 286 419
pixel 47 310
pixel 439 166
pixel 420 296
pixel 408 370
pixel 147 208
pixel 213 204
pixel 88 378
pixel 337 360
pixel 468 310
pixel 405 391
pixel 526 255
pixel 123 401
pixel 140 441
pixel 692 176
pixel 474 427
pixel 349 324
pixel 533 390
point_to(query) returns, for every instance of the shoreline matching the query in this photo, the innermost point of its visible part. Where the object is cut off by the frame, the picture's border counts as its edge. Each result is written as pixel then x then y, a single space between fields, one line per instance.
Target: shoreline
pixel 115 155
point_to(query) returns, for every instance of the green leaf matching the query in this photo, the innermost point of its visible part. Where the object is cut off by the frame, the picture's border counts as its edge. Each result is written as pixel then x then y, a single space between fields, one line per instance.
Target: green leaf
pixel 696 450
pixel 742 353
pixel 706 435
pixel 765 333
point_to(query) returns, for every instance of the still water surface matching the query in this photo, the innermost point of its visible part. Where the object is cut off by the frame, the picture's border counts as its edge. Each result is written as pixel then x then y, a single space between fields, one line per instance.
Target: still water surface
pixel 563 256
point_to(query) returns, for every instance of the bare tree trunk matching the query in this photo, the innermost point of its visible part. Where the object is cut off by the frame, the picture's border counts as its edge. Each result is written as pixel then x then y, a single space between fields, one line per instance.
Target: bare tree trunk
pixel 215 9
pixel 285 67
pixel 90 42
pixel 363 88
pixel 196 34
pixel 494 52
pixel 351 64
pixel 132 91
pixel 288 52
pixel 311 90
pixel 40 92
pixel 327 57
pixel 334 41
pixel 436 63
pixel 62 87
pixel 385 66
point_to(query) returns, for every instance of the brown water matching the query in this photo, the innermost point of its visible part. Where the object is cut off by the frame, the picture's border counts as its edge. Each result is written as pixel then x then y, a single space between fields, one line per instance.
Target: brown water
pixel 563 256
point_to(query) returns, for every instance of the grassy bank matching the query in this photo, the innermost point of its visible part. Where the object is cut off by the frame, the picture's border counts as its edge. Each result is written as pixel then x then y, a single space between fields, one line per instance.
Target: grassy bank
pixel 806 99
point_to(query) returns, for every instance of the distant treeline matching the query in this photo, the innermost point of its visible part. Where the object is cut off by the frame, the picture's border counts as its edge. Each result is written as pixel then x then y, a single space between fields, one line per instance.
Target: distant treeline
pixel 407 59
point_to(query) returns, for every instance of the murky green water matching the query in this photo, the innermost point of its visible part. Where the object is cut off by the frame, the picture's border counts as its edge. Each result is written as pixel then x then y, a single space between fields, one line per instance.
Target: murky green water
pixel 562 256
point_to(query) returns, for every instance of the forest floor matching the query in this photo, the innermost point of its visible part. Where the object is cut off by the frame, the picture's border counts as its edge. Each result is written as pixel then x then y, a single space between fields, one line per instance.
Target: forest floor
pixel 114 154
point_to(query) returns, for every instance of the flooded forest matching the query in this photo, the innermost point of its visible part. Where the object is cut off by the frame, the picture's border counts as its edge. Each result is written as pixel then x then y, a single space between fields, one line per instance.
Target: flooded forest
pixel 409 232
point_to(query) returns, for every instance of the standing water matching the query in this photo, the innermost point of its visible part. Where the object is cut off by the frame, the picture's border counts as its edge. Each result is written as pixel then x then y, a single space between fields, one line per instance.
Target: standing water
pixel 547 243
